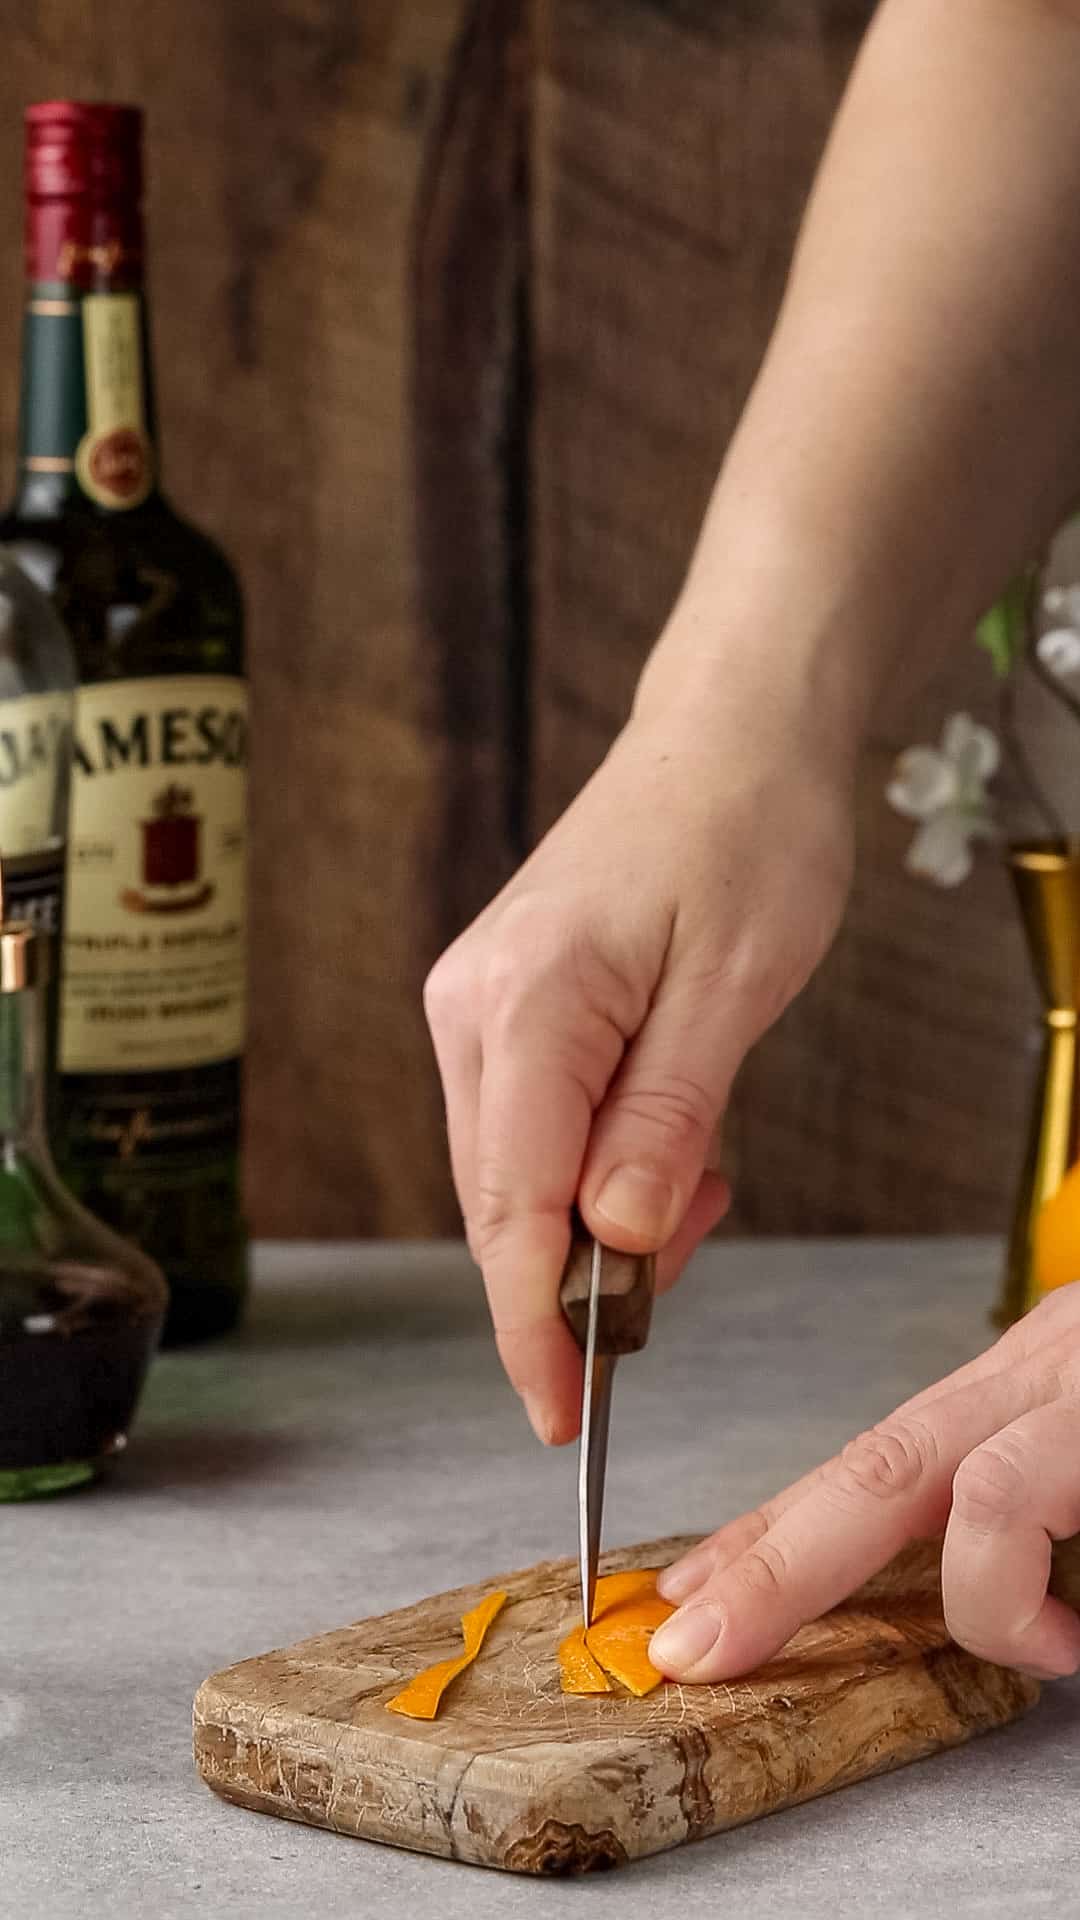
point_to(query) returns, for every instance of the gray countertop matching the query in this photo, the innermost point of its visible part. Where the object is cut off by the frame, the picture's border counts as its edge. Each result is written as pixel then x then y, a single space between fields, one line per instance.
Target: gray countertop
pixel 356 1448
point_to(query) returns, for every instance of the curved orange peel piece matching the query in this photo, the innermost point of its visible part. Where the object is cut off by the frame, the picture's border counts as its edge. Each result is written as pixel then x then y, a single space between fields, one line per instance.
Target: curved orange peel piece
pixel 627 1612
pixel 420 1699
pixel 578 1671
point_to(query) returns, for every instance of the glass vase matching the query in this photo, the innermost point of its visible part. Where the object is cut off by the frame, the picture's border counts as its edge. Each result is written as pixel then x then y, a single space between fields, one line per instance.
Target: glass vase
pixel 81 1309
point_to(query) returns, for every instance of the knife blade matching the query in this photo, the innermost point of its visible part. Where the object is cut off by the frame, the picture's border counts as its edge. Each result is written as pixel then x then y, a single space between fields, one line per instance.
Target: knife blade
pixel 607 1298
pixel 593 1444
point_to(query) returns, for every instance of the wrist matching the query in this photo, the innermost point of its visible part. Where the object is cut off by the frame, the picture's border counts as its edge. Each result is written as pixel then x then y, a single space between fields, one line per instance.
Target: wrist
pixel 756 664
pixel 783 614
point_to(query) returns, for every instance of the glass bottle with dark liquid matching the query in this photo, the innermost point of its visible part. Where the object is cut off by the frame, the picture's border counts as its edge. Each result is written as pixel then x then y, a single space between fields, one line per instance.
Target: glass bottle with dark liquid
pixel 81 1309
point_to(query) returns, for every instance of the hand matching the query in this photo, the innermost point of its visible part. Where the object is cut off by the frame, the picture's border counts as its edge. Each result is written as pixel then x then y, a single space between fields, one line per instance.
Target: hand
pixel 992 1454
pixel 588 1026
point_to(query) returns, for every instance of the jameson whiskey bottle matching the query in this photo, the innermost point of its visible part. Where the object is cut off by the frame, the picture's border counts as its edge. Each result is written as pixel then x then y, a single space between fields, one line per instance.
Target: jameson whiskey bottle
pixel 152 1001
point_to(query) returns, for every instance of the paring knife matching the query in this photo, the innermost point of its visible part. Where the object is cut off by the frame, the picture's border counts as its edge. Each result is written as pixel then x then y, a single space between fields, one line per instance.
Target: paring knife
pixel 607 1298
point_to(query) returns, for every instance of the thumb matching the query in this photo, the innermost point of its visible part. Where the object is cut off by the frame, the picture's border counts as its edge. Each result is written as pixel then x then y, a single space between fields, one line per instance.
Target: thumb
pixel 652 1133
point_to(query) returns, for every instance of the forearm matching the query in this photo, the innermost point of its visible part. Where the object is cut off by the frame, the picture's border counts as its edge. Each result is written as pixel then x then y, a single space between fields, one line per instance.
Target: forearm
pixel 915 429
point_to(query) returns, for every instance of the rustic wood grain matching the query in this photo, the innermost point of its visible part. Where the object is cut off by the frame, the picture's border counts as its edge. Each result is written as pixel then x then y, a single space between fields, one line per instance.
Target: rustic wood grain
pixel 673 145
pixel 514 1774
pixel 287 140
pixel 470 400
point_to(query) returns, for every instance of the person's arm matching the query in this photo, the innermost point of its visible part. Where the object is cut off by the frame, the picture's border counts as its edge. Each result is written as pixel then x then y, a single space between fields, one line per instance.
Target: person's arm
pixel 915 429
pixel 914 432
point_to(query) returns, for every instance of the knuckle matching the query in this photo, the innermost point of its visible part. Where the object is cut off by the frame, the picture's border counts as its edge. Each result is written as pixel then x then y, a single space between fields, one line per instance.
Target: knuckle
pixel 973 1635
pixel 1063 1305
pixel 762 976
pixel 676 1107
pixel 972 1622
pixel 1054 1375
pixel 612 984
pixel 474 1239
pixel 757 1523
pixel 993 1484
pixel 488 1222
pixel 547 954
pixel 527 953
pixel 503 978
pixel 763 1568
pixel 1044 1346
pixel 446 990
pixel 886 1462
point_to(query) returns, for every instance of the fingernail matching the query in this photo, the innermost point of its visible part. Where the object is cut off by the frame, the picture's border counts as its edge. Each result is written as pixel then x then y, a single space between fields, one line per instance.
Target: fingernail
pixel 677 1582
pixel 686 1638
pixel 539 1418
pixel 639 1202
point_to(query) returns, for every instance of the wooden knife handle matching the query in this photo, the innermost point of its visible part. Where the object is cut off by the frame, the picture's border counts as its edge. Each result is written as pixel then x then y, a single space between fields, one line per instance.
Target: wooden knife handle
pixel 1065 1571
pixel 627 1285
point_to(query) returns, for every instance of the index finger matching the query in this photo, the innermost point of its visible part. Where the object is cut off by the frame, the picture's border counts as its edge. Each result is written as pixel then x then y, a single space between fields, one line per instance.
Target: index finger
pixel 533 1126
pixel 891 1486
pixel 718 1550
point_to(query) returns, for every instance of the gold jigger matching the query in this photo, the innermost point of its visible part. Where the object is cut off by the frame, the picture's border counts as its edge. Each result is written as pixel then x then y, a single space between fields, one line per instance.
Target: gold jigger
pixel 1046 877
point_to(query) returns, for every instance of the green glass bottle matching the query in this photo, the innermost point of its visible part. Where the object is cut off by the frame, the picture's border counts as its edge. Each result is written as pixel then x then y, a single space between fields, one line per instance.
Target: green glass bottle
pixel 154 973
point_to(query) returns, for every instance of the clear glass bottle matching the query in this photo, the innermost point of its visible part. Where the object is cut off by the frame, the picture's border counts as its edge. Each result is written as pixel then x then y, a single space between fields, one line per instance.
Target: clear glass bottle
pixel 81 1310
pixel 37 694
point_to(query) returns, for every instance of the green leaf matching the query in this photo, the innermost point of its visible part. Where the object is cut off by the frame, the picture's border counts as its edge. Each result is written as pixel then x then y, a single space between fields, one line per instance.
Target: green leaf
pixel 993 633
pixel 1003 627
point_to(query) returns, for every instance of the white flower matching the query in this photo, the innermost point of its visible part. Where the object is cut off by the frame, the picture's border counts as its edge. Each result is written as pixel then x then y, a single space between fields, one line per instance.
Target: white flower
pixel 1064 600
pixel 944 789
pixel 1059 647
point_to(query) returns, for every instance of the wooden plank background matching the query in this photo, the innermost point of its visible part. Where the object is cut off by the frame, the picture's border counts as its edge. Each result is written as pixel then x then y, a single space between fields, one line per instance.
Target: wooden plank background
pixel 455 305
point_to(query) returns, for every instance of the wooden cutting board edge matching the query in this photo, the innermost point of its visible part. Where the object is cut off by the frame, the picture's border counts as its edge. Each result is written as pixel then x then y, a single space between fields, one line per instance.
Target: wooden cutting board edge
pixel 602 1814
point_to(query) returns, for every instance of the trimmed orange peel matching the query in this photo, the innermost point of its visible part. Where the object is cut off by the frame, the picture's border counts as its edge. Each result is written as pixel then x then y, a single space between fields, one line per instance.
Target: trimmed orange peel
pixel 1057 1236
pixel 578 1671
pixel 420 1699
pixel 627 1612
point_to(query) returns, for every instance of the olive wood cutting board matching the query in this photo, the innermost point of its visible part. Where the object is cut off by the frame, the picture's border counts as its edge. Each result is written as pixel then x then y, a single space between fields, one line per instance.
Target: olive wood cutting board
pixel 514 1774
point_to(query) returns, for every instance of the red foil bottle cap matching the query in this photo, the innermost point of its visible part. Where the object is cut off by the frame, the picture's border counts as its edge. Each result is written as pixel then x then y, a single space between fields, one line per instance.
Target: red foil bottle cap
pixel 83 192
pixel 79 147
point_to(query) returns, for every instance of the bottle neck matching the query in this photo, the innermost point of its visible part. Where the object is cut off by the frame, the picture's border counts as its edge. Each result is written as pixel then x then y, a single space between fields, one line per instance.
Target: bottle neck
pixel 86 417
pixel 22 1073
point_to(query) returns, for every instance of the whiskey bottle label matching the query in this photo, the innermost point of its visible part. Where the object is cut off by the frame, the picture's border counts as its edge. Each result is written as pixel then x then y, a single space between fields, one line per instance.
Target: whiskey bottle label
pixel 34 739
pixel 113 460
pixel 155 935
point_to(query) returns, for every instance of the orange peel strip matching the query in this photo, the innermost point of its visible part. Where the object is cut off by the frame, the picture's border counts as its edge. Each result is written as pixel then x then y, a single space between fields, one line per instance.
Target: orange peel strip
pixel 421 1698
pixel 578 1671
pixel 627 1613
